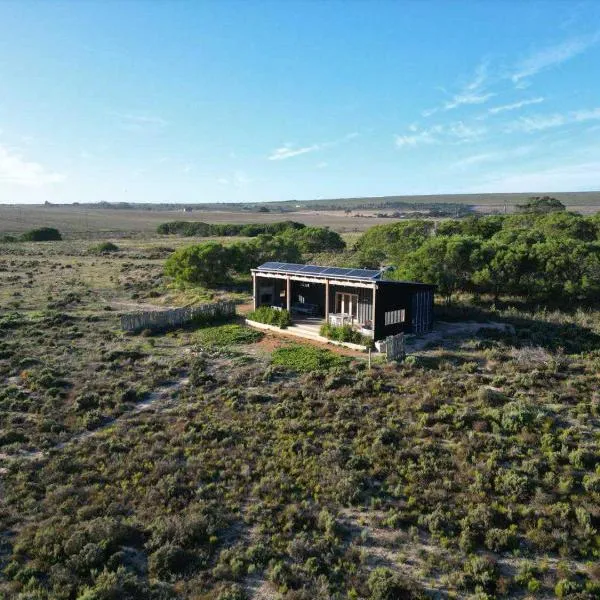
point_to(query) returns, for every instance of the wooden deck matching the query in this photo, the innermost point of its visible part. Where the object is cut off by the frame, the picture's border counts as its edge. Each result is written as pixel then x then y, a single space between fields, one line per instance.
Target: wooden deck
pixel 306 328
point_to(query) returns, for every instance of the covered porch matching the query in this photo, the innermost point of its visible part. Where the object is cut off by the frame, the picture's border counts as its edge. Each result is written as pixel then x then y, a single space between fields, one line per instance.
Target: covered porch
pixel 313 301
pixel 360 298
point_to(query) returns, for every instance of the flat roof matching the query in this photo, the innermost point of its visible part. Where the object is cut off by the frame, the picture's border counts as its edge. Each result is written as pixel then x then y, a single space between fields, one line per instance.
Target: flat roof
pixel 322 272
pixel 335 273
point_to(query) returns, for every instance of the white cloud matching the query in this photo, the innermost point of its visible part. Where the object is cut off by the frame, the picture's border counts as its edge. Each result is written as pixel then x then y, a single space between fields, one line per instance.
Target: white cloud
pixel 515 105
pixel 489 157
pixel 475 160
pixel 289 151
pixel 140 122
pixel 552 56
pixel 471 93
pixel 19 171
pixel 543 122
pixel 454 133
pixel 418 137
pixel 468 98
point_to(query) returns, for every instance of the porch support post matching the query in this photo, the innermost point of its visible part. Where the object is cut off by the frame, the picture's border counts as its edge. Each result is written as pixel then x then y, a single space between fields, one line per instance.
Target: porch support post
pixel 327 301
pixel 373 309
pixel 254 290
pixel 288 293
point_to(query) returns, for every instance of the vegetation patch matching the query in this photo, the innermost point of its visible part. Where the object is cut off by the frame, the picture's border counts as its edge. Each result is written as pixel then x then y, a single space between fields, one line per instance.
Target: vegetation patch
pixel 42 234
pixel 228 335
pixel 343 333
pixel 271 316
pixel 298 357
pixel 103 248
pixel 200 229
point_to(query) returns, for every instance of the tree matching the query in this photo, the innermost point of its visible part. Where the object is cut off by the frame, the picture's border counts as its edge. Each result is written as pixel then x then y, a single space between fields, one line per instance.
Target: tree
pixel 541 204
pixel 264 248
pixel 446 262
pixel 567 225
pixel 316 239
pixel 210 263
pixel 394 241
pixel 503 268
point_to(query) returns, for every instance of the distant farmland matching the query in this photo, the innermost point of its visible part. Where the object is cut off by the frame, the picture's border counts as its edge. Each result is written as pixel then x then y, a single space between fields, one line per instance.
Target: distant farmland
pixel 343 214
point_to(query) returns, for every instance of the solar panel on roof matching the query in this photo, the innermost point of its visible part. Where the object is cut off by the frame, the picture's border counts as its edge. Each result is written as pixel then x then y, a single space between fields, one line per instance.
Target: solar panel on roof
pixel 335 271
pixel 362 273
pixel 319 271
pixel 311 269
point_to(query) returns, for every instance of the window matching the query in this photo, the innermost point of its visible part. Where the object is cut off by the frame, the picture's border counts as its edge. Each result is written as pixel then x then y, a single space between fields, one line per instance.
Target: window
pixel 394 316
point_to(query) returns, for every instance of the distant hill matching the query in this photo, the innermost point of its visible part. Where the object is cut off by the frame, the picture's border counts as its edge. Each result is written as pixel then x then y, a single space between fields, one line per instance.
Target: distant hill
pixel 479 202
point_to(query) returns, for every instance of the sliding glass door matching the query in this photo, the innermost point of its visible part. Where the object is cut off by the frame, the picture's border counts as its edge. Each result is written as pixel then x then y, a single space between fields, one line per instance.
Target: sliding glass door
pixel 346 304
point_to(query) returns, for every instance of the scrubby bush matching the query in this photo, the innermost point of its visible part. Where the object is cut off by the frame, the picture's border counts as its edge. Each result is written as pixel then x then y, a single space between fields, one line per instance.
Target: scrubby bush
pixel 43 234
pixel 384 584
pixel 103 248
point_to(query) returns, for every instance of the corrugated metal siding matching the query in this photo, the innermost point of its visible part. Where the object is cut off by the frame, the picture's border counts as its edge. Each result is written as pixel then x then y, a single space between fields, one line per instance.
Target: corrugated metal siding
pixel 422 313
pixel 416 300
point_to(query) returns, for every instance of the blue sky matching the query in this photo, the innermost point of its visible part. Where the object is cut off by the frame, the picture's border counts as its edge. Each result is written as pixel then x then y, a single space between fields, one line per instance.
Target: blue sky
pixel 151 101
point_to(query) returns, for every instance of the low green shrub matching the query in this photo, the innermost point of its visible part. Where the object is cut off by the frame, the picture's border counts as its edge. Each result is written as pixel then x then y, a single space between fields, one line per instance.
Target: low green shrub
pixel 343 333
pixel 103 248
pixel 43 234
pixel 271 316
pixel 227 335
pixel 306 358
pixel 384 584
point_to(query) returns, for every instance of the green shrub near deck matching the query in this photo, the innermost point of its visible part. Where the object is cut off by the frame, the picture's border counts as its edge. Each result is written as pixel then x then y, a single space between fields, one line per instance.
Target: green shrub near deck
pixel 302 358
pixel 228 335
pixel 271 316
pixel 343 333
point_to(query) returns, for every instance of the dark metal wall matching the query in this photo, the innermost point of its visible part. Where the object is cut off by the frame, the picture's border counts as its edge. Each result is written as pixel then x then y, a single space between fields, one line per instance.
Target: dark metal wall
pixel 415 300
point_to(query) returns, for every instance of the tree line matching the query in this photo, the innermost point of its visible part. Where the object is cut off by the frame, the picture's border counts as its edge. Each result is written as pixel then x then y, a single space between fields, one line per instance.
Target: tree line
pixel 201 229
pixel 543 256
pixel 212 263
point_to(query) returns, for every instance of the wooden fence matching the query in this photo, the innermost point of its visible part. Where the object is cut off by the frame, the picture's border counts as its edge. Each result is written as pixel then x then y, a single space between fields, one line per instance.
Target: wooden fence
pixel 393 346
pixel 168 319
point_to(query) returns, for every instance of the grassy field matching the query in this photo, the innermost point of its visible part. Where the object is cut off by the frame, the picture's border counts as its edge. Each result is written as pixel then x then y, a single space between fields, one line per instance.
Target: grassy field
pixel 88 223
pixel 91 221
pixel 218 463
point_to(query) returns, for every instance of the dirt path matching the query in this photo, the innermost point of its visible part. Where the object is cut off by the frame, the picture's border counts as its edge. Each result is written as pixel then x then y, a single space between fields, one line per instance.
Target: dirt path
pixel 443 330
